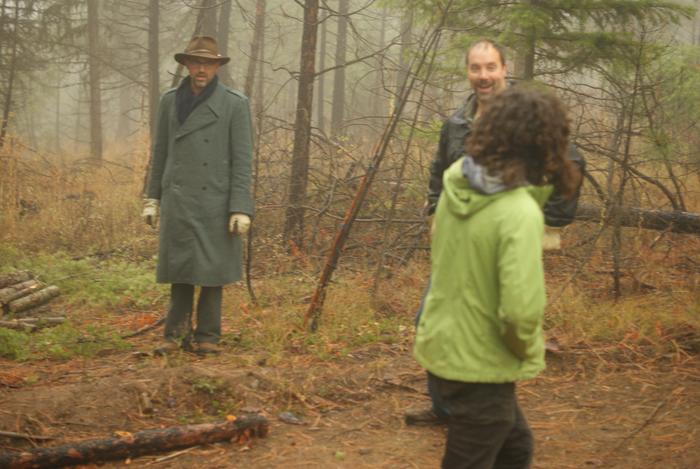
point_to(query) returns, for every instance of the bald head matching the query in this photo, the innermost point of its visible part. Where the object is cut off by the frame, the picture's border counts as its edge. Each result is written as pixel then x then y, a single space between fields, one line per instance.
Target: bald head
pixel 486 44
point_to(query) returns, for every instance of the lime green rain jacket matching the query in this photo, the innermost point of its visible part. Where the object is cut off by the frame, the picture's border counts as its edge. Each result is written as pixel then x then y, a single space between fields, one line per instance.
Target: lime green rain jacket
pixel 482 317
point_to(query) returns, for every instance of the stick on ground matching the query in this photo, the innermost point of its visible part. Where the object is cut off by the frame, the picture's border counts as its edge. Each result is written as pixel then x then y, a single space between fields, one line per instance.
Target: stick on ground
pixel 134 445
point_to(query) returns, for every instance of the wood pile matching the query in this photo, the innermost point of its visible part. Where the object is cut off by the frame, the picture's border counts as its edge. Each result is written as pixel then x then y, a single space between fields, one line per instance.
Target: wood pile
pixel 21 294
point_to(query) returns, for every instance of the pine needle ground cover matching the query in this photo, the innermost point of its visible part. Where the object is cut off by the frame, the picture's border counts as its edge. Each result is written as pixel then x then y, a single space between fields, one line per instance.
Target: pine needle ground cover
pixel 621 388
pixel 618 393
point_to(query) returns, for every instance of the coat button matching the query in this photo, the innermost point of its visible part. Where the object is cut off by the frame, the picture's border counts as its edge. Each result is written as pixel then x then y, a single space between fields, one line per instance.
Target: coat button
pixel 204 164
pixel 204 188
pixel 206 140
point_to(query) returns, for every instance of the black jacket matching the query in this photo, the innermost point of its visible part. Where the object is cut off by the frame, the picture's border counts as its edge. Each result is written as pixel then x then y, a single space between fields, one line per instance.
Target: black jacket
pixel 558 211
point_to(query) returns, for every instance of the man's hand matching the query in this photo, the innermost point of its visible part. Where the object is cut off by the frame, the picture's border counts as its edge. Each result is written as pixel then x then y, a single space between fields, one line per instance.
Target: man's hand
pixel 238 223
pixel 150 211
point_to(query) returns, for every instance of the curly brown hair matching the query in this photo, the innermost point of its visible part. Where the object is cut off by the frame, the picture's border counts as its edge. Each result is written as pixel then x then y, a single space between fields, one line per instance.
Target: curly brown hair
pixel 523 136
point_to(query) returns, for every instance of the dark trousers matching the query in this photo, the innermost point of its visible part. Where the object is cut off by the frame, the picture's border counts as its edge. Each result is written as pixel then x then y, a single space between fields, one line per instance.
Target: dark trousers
pixel 437 403
pixel 178 323
pixel 486 428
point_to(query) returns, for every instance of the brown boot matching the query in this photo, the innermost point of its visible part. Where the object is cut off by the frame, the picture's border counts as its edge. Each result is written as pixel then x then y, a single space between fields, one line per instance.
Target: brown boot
pixel 168 347
pixel 423 417
pixel 207 348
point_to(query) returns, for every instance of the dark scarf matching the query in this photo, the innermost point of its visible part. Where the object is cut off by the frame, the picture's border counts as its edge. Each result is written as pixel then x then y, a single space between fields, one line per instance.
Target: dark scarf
pixel 186 101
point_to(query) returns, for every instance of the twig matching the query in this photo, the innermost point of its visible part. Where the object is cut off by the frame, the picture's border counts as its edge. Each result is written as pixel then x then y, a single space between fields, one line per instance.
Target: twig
pixel 641 427
pixel 25 436
pixel 144 329
pixel 594 239
pixel 172 455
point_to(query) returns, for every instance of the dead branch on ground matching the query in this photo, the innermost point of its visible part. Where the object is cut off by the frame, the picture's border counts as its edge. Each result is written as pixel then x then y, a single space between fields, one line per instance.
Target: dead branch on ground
pixel 137 444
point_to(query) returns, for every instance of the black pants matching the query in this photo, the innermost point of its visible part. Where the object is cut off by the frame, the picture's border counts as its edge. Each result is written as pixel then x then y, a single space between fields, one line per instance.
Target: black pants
pixel 178 324
pixel 486 428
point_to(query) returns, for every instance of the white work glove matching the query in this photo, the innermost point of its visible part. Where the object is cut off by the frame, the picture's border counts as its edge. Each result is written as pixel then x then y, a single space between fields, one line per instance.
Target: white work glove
pixel 551 241
pixel 238 223
pixel 150 211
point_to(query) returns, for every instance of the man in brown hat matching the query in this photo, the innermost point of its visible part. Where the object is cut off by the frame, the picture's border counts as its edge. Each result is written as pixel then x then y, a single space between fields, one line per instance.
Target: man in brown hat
pixel 199 181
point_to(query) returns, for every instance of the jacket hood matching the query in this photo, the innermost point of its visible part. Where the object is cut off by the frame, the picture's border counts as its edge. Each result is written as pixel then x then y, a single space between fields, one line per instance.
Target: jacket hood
pixel 479 179
pixel 468 188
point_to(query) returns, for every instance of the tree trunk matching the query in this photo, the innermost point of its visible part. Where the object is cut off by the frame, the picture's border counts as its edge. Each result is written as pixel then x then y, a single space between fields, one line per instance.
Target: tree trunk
pixel 94 80
pixel 673 221
pixel 223 39
pixel 258 36
pixel 529 59
pixel 58 118
pixel 134 445
pixel 321 93
pixel 153 62
pixel 313 314
pixel 524 66
pixel 338 108
pixel 209 22
pixel 11 77
pixel 399 179
pixel 259 48
pixel 294 217
pixel 378 98
pixel 406 28
pixel 124 121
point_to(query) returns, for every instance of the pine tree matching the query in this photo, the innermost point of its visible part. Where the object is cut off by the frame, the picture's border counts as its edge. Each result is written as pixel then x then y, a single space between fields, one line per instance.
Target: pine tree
pixel 550 37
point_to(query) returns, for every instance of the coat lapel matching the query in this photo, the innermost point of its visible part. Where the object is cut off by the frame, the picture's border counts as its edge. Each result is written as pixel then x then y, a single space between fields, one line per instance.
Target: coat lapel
pixel 206 113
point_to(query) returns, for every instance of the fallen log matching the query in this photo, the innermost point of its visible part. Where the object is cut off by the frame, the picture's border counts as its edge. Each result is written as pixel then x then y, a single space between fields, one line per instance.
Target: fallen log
pixel 136 444
pixel 35 299
pixel 18 290
pixel 17 276
pixel 673 221
pixel 31 324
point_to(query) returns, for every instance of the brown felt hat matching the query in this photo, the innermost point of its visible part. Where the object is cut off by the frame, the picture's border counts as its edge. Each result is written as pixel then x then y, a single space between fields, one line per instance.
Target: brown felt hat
pixel 203 47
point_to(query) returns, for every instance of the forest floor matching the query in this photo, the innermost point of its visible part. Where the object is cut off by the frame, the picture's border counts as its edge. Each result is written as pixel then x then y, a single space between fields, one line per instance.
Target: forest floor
pixel 611 406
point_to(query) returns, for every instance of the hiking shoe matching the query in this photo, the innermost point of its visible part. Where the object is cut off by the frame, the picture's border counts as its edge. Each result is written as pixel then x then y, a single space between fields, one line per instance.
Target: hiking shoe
pixel 207 348
pixel 168 347
pixel 423 417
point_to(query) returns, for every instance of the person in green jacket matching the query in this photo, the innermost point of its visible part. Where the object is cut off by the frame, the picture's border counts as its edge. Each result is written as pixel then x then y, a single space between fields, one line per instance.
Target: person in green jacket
pixel 487 74
pixel 481 327
pixel 199 184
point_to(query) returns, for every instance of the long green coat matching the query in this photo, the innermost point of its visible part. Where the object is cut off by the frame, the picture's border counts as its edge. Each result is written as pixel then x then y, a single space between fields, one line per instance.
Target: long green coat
pixel 200 171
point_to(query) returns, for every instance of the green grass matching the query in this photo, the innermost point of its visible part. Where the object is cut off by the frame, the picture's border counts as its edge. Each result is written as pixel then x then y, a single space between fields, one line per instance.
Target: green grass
pixel 348 320
pixel 13 344
pixel 60 342
pixel 114 283
pixel 647 320
pixel 85 284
